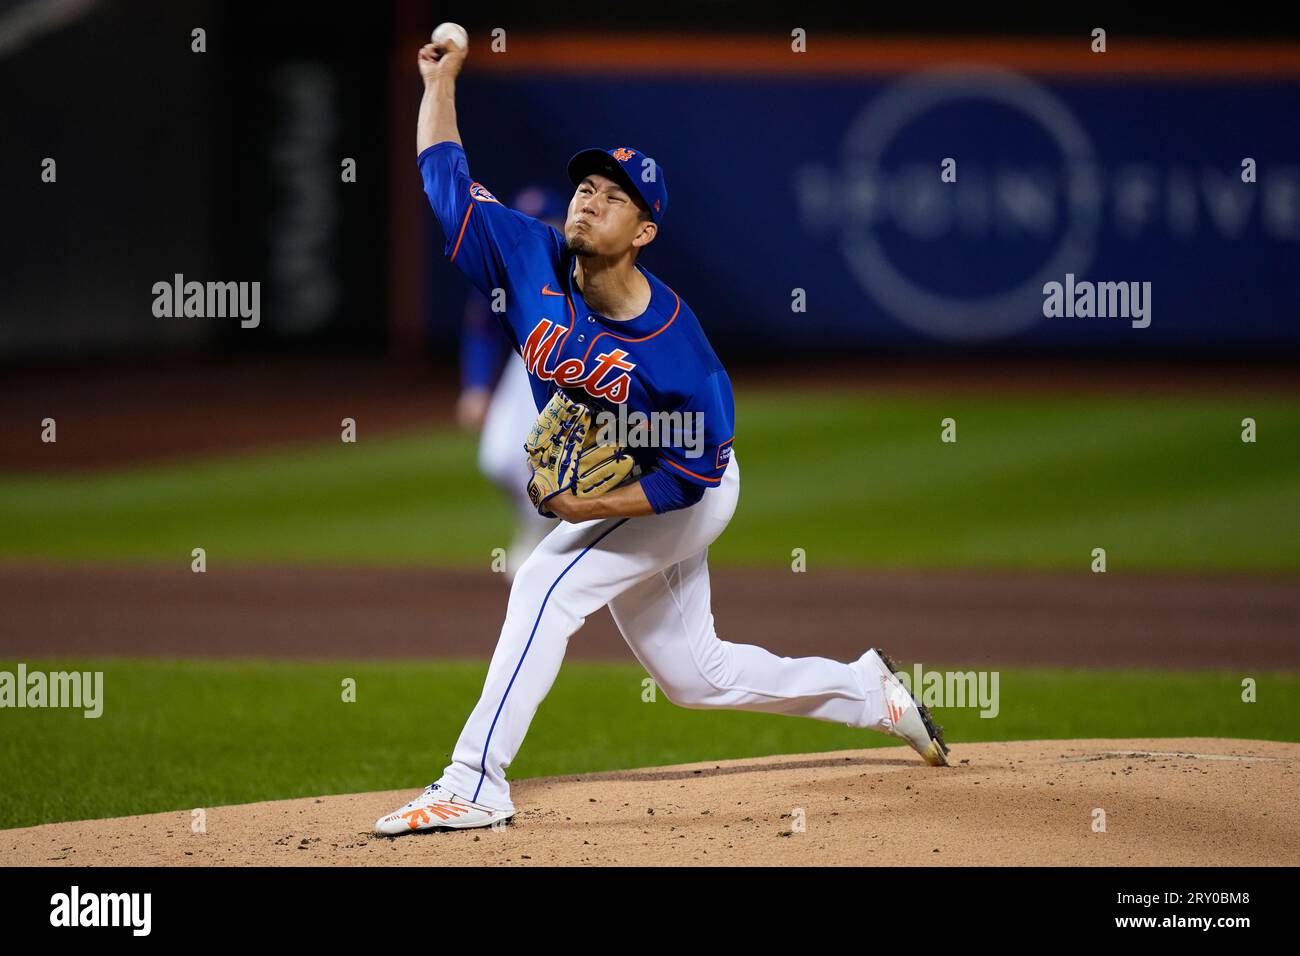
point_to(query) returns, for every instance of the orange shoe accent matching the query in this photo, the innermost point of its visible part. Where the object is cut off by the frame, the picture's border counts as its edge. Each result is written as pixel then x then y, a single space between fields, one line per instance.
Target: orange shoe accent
pixel 446 811
pixel 443 811
pixel 415 818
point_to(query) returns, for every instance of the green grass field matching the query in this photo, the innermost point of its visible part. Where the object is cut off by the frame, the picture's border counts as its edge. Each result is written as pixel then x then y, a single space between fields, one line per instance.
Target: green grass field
pixel 853 478
pixel 175 735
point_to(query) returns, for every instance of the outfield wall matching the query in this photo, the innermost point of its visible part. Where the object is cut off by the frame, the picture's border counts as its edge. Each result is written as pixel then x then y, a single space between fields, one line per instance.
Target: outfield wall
pixel 823 172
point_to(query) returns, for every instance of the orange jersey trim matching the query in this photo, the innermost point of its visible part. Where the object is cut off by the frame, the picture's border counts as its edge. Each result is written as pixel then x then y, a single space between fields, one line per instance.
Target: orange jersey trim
pixel 464 222
pixel 712 481
pixel 644 338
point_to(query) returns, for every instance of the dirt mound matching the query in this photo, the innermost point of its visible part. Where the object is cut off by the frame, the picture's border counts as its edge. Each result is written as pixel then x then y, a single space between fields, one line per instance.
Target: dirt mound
pixel 1185 801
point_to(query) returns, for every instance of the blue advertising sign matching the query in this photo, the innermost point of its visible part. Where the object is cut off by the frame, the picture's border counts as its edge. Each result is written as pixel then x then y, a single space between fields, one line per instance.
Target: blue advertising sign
pixel 946 208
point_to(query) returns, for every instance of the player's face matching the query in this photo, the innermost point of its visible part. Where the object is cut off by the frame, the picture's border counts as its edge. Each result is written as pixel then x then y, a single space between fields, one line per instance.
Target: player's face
pixel 603 218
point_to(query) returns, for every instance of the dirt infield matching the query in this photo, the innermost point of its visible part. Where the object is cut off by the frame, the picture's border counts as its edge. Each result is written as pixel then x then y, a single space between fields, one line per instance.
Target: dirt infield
pixel 938 617
pixel 1185 802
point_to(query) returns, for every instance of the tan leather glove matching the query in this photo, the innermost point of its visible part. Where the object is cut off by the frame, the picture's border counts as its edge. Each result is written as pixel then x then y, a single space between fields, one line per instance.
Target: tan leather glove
pixel 565 458
pixel 553 446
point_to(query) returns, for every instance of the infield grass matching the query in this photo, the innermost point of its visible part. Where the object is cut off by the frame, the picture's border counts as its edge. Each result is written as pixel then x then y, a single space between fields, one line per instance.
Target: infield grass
pixel 851 477
pixel 176 735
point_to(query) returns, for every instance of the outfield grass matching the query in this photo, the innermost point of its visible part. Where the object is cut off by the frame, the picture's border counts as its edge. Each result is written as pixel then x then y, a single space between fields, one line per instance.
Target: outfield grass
pixel 176 735
pixel 852 478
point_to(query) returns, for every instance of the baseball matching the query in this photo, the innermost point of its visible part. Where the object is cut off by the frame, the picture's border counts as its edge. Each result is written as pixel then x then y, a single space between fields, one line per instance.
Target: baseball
pixel 452 33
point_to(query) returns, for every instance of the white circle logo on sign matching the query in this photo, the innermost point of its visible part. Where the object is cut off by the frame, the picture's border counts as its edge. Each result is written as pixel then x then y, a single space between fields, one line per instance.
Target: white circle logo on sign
pixel 971 318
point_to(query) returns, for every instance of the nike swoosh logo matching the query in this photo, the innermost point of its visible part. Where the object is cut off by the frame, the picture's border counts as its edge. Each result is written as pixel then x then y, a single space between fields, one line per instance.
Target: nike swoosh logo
pixel 547 290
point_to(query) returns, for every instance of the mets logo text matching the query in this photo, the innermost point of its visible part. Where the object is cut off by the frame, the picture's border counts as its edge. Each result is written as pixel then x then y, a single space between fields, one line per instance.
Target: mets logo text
pixel 537 355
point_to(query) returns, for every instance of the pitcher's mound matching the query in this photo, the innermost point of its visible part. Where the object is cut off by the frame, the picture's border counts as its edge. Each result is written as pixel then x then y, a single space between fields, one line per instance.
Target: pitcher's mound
pixel 1186 801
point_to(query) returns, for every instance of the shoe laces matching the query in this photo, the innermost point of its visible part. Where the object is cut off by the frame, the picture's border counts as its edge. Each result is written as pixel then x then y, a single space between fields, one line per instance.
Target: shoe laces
pixel 433 790
pixel 428 791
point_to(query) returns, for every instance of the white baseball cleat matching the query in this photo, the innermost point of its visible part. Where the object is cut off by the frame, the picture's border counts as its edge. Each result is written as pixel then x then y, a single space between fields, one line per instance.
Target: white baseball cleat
pixel 905 717
pixel 439 809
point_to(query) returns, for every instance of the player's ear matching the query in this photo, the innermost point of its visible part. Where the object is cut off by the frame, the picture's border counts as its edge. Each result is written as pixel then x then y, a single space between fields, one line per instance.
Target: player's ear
pixel 645 235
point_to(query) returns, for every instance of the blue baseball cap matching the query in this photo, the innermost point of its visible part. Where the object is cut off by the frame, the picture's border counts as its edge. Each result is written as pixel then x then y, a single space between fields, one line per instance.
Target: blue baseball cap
pixel 630 169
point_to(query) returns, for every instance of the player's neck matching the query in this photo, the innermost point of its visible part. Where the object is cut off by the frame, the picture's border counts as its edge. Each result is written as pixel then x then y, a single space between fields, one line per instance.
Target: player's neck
pixel 614 288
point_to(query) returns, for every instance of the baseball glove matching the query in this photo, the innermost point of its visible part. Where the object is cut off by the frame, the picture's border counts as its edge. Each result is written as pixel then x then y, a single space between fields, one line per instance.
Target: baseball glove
pixel 565 458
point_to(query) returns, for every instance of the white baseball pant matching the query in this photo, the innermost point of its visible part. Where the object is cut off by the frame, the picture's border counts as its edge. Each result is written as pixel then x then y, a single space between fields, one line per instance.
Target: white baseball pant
pixel 653 573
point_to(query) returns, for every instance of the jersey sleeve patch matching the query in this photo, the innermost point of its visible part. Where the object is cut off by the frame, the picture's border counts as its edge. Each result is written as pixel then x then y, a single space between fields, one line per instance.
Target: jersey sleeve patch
pixel 724 454
pixel 483 238
pixel 479 193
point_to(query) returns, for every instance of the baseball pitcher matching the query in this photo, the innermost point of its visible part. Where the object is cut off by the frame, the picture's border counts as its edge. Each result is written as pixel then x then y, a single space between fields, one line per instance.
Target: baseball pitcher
pixel 604 340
